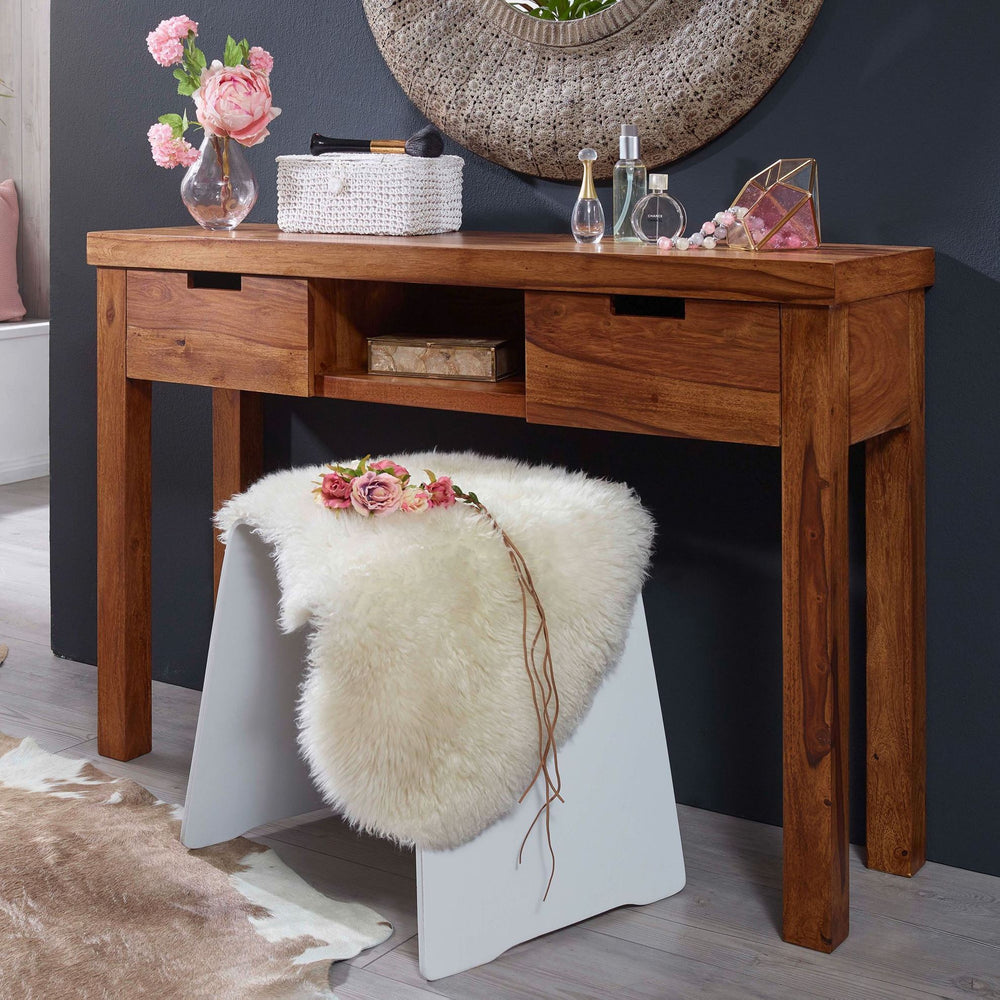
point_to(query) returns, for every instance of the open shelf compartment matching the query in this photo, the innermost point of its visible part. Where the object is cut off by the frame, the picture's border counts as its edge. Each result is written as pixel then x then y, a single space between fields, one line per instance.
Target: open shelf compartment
pixel 345 313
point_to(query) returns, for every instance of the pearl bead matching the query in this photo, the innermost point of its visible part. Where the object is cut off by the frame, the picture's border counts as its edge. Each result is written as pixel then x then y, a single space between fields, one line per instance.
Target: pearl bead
pixel 683 244
pixel 696 239
pixel 708 228
pixel 728 218
pixel 721 232
pixel 709 243
pixel 665 243
pixel 718 217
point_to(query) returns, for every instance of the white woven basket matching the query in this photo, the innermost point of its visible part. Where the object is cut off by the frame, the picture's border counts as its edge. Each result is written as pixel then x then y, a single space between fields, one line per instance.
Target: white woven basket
pixel 372 194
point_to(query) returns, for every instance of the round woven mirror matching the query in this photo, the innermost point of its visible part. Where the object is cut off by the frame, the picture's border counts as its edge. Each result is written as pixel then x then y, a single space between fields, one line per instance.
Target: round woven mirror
pixel 528 93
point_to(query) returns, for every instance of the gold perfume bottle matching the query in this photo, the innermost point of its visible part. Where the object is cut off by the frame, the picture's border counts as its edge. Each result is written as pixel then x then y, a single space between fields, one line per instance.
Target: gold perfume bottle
pixel 587 222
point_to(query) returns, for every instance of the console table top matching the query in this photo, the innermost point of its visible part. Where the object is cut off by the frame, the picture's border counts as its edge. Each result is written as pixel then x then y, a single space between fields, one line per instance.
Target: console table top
pixel 834 273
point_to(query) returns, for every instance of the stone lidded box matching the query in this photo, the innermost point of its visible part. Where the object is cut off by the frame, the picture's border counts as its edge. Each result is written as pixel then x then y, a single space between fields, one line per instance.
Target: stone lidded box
pixel 479 359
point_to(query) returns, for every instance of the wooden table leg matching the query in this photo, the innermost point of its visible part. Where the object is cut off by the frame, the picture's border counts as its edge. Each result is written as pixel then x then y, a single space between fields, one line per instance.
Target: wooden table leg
pixel 237 450
pixel 124 677
pixel 896 631
pixel 814 443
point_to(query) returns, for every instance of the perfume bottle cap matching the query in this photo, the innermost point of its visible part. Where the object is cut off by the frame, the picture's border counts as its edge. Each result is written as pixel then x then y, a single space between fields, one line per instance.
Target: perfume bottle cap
pixel 657 182
pixel 628 143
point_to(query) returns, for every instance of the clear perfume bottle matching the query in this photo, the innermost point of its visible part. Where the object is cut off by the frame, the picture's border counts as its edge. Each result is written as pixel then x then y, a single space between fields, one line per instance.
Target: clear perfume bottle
pixel 658 214
pixel 628 183
pixel 587 221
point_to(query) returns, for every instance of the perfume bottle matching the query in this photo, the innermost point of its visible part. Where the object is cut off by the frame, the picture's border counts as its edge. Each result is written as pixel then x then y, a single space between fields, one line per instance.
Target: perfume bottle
pixel 658 214
pixel 587 221
pixel 629 184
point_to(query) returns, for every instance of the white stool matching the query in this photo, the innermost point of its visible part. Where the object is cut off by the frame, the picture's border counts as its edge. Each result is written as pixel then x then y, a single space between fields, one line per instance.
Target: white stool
pixel 615 836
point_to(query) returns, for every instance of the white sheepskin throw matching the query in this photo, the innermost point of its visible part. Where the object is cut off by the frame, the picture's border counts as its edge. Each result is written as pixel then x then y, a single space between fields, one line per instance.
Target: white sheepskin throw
pixel 416 714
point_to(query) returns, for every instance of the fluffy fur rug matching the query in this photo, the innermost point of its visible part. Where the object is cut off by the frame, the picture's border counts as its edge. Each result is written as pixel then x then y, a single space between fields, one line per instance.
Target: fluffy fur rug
pixel 99 899
pixel 416 714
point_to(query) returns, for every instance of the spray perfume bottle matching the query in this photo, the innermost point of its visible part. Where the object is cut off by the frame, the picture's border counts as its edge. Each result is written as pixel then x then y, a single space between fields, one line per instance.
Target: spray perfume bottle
pixel 658 214
pixel 587 221
pixel 629 184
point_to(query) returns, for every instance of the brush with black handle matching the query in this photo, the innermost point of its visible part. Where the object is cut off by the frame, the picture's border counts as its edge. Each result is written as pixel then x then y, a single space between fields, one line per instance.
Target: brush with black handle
pixel 427 143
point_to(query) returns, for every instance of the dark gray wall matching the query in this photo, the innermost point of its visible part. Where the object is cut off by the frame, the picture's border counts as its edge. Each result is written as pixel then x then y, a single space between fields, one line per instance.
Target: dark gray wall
pixel 897 102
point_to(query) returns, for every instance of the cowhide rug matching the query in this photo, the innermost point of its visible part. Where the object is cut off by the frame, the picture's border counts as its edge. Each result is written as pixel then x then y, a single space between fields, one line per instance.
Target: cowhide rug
pixel 99 899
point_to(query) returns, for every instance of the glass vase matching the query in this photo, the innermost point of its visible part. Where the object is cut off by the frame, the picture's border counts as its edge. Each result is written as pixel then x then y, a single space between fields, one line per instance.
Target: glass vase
pixel 219 189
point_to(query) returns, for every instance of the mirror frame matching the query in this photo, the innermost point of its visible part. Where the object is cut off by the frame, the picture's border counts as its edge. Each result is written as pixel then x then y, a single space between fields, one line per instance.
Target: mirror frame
pixel 528 94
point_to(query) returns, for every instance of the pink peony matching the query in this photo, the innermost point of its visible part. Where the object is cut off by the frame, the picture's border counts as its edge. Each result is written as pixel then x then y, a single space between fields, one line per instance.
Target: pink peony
pixel 235 101
pixel 376 493
pixel 387 465
pixel 415 500
pixel 261 60
pixel 166 41
pixel 335 492
pixel 170 152
pixel 442 492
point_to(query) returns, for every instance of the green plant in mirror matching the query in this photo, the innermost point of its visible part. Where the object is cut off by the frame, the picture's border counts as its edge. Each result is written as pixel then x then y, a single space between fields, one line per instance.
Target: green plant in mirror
pixel 561 10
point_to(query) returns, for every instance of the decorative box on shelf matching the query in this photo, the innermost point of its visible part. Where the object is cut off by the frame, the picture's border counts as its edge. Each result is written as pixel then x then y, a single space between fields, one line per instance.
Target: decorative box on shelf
pixel 478 359
pixel 370 194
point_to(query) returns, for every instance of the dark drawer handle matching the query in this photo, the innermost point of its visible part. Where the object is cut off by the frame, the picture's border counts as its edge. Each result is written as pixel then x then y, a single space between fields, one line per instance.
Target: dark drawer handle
pixel 658 306
pixel 215 279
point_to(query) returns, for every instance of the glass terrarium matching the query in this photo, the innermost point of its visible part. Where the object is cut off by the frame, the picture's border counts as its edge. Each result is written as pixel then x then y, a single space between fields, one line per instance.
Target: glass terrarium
pixel 780 208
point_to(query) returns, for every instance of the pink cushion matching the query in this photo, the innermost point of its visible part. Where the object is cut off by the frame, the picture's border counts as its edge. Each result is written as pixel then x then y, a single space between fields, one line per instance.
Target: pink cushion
pixel 11 306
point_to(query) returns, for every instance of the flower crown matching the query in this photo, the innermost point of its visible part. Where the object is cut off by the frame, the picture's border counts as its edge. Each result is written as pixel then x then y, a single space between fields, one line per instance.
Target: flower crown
pixel 374 489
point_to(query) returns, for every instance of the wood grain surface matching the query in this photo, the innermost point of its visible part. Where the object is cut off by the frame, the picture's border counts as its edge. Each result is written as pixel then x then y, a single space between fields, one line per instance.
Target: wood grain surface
pixel 896 702
pixel 502 399
pixel 712 375
pixel 527 260
pixel 237 450
pixel 123 534
pixel 815 575
pixel 255 338
pixel 879 337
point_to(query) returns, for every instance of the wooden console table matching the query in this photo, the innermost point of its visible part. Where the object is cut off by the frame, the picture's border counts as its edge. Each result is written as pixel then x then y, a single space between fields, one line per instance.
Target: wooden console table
pixel 810 351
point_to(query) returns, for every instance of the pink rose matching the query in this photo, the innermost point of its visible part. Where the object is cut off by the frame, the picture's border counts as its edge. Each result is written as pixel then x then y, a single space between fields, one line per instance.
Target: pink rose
pixel 415 500
pixel 166 41
pixel 442 492
pixel 170 152
pixel 261 60
pixel 235 101
pixel 335 491
pixel 387 465
pixel 376 493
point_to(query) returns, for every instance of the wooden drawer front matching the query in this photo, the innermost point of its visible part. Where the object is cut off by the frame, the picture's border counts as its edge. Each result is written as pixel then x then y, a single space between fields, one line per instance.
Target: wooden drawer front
pixel 713 372
pixel 255 336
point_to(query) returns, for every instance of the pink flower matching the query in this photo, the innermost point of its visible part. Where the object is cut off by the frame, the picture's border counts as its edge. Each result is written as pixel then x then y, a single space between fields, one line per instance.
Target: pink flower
pixel 415 500
pixel 376 493
pixel 235 101
pixel 335 491
pixel 387 465
pixel 261 60
pixel 442 492
pixel 166 41
pixel 170 152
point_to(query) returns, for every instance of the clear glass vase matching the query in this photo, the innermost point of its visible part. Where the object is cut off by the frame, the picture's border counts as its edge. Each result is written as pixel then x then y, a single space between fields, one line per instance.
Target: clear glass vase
pixel 219 189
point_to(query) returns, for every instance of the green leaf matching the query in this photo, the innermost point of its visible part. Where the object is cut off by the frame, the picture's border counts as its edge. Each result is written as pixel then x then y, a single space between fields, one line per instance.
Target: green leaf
pixel 234 53
pixel 176 123
pixel 433 478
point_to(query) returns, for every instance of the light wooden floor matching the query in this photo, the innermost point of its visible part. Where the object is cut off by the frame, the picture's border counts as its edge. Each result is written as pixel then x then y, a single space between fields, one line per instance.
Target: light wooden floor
pixel 937 935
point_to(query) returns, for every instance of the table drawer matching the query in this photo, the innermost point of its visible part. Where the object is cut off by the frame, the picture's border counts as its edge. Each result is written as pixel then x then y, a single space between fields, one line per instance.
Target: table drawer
pixel 681 367
pixel 228 331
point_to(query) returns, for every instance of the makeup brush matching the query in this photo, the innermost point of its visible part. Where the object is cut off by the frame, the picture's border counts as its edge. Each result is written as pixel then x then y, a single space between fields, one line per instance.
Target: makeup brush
pixel 427 142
